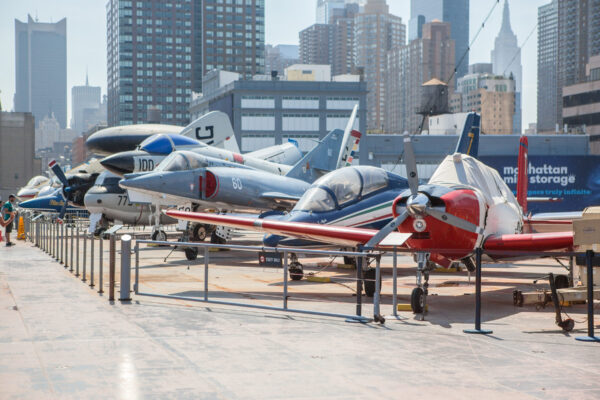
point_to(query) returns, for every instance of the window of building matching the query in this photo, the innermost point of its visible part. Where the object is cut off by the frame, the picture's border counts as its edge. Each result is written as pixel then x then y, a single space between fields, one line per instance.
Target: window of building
pixel 301 102
pixel 258 122
pixel 300 122
pixel 258 102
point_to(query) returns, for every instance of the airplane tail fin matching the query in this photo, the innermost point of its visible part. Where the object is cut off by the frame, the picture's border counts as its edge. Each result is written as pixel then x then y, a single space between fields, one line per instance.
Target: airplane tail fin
pixel 468 143
pixel 336 150
pixel 522 177
pixel 349 142
pixel 320 160
pixel 213 128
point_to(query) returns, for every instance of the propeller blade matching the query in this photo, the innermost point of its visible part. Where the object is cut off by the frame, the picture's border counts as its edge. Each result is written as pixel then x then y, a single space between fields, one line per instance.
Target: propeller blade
pixel 386 230
pixel 58 172
pixel 411 165
pixel 454 221
pixel 63 210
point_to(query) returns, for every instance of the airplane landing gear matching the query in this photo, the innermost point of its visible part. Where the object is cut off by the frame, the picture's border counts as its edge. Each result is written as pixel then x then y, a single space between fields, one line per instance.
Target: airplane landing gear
pixel 418 298
pixel 216 239
pixel 295 268
pixel 159 236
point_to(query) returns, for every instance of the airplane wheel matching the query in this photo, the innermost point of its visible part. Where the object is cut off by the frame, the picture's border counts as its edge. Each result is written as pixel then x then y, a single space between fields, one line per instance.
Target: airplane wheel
pixel 216 239
pixel 561 281
pixel 417 298
pixel 295 271
pixel 369 281
pixel 159 236
pixel 199 233
pixel 191 253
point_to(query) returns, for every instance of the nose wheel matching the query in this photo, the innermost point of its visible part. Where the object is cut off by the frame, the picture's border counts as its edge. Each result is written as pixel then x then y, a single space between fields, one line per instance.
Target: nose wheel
pixel 418 297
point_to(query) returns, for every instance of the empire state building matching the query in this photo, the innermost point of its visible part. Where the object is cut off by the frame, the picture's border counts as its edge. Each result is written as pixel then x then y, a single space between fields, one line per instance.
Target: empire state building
pixel 506 60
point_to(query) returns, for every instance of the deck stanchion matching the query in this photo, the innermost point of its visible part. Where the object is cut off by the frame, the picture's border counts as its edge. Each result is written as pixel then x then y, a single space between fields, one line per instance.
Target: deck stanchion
pixel 285 278
pixel 137 268
pixel 376 297
pixel 359 265
pixel 77 253
pixel 206 274
pixel 91 260
pixel 478 330
pixel 84 255
pixel 395 283
pixel 72 246
pixel 100 266
pixel 589 257
pixel 124 292
pixel 111 267
pixel 62 243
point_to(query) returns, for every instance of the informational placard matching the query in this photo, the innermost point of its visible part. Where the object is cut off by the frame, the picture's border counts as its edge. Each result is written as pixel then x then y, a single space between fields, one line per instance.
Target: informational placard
pixel 270 259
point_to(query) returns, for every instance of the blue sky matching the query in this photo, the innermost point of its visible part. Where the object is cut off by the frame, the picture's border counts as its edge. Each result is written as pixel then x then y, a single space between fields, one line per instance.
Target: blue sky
pixel 86 36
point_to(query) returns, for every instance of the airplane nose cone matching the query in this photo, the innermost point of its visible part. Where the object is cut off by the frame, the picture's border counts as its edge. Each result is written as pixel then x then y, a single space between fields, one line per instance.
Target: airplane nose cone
pixel 120 163
pixel 144 182
pixel 271 240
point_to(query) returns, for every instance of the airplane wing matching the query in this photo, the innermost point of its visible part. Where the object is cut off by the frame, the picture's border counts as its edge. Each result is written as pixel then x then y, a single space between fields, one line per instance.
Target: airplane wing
pixel 529 241
pixel 340 235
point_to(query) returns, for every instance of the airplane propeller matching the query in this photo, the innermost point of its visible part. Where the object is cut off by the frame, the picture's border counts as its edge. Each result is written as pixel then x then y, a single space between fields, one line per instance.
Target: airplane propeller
pixel 57 170
pixel 74 188
pixel 418 204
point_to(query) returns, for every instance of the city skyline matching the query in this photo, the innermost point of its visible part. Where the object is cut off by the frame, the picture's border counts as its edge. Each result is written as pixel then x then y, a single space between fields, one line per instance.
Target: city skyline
pixel 86 38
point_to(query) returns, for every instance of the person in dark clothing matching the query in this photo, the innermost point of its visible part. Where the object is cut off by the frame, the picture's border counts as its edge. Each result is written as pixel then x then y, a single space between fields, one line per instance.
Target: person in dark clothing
pixel 8 215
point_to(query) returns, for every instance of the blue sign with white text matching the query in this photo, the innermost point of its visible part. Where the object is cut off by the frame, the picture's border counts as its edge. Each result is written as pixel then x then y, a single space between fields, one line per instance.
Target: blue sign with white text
pixel 575 180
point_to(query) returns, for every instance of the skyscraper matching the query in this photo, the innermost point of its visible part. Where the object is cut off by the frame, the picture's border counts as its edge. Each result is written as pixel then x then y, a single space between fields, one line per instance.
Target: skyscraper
pixel 325 9
pixel 41 69
pixel 149 56
pixel 506 60
pixel 548 107
pixel 234 36
pixel 376 32
pixel 85 105
pixel 409 67
pixel 569 36
pixel 158 52
pixel 455 12
pixel 331 43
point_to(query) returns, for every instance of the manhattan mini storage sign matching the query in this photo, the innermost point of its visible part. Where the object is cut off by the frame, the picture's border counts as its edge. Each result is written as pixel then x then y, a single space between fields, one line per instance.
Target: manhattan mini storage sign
pixel 575 180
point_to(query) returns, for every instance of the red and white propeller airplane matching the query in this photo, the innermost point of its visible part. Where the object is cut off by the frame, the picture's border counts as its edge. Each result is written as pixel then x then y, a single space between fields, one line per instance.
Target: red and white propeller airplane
pixel 465 206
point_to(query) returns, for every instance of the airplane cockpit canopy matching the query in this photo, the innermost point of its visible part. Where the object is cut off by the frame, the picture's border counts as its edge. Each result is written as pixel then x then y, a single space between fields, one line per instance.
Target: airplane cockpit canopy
pixel 180 160
pixel 37 180
pixel 166 144
pixel 342 187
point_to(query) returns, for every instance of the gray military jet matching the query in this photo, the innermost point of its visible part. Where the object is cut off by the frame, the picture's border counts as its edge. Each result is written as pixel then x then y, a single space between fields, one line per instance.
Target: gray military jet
pixel 186 178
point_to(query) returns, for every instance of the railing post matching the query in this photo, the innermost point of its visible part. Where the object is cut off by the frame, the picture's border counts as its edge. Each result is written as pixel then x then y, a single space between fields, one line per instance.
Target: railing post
pixel 376 297
pixel 57 240
pixel 137 268
pixel 85 235
pixel 359 263
pixel 72 245
pixel 205 273
pixel 478 330
pixel 91 260
pixel 62 242
pixel 285 280
pixel 124 294
pixel 111 267
pixel 589 258
pixel 101 266
pixel 77 252
pixel 395 283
